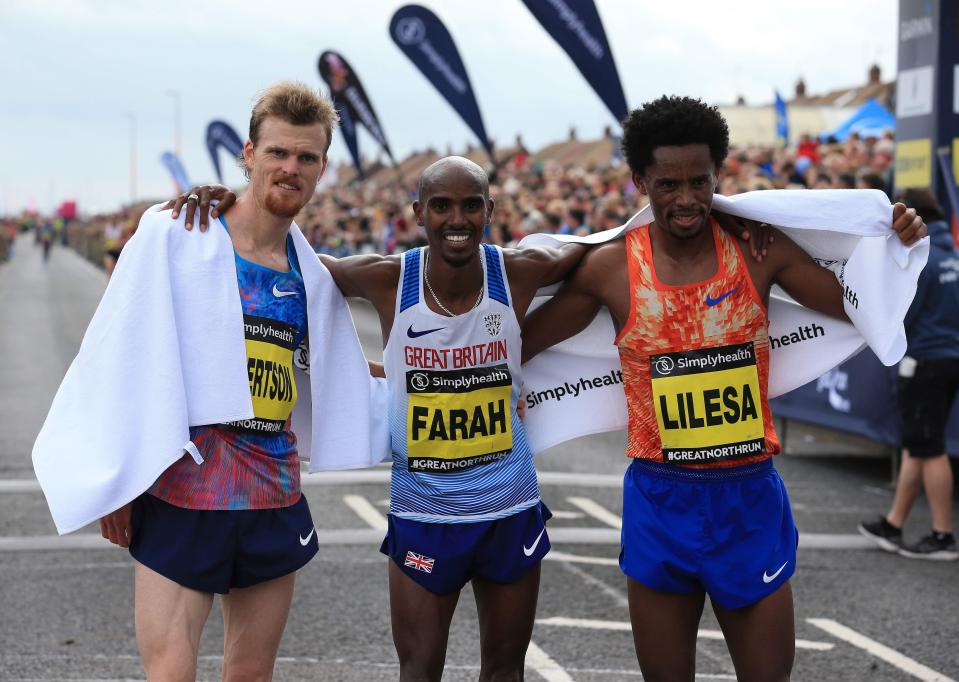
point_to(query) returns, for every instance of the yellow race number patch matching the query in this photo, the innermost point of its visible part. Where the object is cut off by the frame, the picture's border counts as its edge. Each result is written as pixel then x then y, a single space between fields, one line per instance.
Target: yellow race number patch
pixel 458 419
pixel 708 404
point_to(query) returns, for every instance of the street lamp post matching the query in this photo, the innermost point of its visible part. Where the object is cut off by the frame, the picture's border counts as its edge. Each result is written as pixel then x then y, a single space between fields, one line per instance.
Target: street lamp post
pixel 132 117
pixel 175 94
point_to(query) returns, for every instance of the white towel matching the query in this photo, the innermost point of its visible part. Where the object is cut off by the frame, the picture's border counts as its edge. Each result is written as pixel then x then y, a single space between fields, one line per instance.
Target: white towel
pixel 165 351
pixel 847 231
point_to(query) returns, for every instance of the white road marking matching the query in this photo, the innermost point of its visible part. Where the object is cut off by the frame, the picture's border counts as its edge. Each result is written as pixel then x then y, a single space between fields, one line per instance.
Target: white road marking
pixel 555 555
pixel 881 651
pixel 366 511
pixel 597 511
pixel 835 541
pixel 543 663
pixel 17 485
pixel 560 514
pixel 619 672
pixel 40 543
pixel 624 626
pixel 584 536
pixel 611 592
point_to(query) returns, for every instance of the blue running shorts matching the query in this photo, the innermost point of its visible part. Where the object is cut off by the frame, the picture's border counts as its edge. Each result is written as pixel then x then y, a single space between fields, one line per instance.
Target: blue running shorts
pixel 443 557
pixel 217 550
pixel 729 532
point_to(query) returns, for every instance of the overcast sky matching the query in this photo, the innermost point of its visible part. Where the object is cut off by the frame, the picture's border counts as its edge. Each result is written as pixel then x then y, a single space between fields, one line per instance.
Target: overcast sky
pixel 76 72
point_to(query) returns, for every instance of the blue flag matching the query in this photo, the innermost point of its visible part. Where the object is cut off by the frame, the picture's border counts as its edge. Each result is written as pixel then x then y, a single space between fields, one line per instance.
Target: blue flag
pixel 576 26
pixel 220 134
pixel 424 39
pixel 782 121
pixel 173 164
pixel 348 129
pixel 346 90
pixel 949 182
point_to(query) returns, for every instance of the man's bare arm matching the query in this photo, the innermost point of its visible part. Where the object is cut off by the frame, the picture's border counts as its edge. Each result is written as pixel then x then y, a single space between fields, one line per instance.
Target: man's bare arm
pixel 569 312
pixel 817 288
pixel 363 276
pixel 812 285
pixel 534 267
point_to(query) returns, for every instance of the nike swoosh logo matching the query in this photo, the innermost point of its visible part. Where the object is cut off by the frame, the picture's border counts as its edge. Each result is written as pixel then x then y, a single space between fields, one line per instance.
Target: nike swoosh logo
pixel 414 334
pixel 528 551
pixel 305 540
pixel 281 294
pixel 769 578
pixel 715 301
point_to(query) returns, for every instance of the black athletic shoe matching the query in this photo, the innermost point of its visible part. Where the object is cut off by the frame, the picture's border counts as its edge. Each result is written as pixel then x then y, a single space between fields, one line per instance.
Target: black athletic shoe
pixel 935 546
pixel 883 533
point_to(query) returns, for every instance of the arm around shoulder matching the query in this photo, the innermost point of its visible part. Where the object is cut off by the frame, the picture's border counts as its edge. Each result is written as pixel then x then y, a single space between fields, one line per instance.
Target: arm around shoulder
pixel 801 277
pixel 568 312
pixel 367 276
pixel 539 266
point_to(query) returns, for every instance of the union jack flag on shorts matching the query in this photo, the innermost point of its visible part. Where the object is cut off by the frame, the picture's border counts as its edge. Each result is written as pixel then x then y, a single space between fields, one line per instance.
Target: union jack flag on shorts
pixel 419 562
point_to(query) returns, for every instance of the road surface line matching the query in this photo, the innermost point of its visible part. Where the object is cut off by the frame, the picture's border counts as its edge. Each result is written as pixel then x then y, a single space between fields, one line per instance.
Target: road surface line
pixel 543 663
pixel 636 673
pixel 560 514
pixel 881 651
pixel 835 541
pixel 611 592
pixel 19 485
pixel 555 555
pixel 597 511
pixel 624 626
pixel 366 511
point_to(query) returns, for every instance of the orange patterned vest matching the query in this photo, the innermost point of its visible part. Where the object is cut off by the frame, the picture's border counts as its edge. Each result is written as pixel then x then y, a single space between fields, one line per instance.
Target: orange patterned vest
pixel 696 363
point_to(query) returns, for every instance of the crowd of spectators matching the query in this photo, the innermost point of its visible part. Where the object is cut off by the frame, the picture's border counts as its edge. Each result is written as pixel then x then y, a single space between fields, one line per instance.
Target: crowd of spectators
pixel 532 194
pixel 548 196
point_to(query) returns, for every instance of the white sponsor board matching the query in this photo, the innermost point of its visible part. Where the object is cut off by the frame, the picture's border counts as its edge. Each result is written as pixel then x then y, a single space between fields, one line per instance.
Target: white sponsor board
pixel 914 92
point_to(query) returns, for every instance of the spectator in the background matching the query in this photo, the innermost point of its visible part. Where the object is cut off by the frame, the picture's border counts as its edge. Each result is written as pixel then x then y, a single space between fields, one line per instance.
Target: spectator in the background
pixel 46 238
pixel 845 181
pixel 871 181
pixel 575 223
pixel 554 223
pixel 823 181
pixel 373 215
pixel 112 243
pixel 809 148
pixel 929 380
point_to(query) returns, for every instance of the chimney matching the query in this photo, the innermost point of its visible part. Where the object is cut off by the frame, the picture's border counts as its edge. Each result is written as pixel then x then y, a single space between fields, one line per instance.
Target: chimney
pixel 874 74
pixel 800 89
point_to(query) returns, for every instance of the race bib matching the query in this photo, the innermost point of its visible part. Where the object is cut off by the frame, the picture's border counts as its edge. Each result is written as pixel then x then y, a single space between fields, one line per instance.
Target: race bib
pixel 269 352
pixel 708 405
pixel 458 419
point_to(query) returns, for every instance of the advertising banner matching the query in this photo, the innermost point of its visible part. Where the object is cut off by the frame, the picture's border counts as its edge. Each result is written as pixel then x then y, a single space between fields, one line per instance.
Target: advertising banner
pixel 220 134
pixel 348 130
pixel 346 89
pixel 173 164
pixel 575 25
pixel 424 39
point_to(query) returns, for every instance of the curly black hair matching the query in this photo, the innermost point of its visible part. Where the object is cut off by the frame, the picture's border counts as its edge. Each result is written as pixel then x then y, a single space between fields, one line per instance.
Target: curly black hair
pixel 672 120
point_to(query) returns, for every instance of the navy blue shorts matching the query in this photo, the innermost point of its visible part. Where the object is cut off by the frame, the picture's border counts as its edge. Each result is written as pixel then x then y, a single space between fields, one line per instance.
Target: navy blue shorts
pixel 217 550
pixel 729 532
pixel 442 557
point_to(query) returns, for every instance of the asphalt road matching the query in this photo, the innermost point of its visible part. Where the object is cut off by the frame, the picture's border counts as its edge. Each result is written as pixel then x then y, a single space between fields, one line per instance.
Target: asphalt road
pixel 66 603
